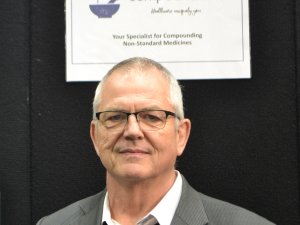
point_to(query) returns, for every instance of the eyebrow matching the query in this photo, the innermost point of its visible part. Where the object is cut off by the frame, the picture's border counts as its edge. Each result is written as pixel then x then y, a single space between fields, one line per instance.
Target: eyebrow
pixel 113 109
pixel 153 107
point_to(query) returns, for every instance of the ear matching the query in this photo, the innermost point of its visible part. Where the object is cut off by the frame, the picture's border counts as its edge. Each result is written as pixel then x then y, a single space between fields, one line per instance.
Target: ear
pixel 183 134
pixel 94 134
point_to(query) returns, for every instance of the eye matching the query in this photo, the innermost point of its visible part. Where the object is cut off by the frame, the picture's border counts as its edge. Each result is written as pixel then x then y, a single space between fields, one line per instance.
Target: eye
pixel 115 117
pixel 151 117
pixel 112 117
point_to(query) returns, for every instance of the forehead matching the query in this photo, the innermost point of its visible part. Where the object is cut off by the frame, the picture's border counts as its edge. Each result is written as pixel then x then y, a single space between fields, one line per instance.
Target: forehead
pixel 136 84
pixel 138 77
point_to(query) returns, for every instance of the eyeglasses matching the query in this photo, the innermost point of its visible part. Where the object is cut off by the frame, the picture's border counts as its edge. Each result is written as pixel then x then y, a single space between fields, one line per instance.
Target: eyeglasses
pixel 149 120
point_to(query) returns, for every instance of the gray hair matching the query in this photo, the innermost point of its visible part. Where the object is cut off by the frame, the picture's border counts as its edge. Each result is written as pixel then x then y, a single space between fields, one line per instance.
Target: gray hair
pixel 175 93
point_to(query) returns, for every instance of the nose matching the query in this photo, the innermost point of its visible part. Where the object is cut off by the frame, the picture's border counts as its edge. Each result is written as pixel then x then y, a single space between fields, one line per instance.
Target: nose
pixel 132 129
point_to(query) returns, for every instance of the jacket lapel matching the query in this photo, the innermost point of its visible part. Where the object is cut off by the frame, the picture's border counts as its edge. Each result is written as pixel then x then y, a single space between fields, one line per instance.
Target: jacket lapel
pixel 190 210
pixel 92 210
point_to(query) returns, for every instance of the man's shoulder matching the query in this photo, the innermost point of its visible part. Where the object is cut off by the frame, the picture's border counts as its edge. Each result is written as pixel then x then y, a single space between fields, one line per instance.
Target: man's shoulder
pixel 221 212
pixel 73 212
pixel 195 206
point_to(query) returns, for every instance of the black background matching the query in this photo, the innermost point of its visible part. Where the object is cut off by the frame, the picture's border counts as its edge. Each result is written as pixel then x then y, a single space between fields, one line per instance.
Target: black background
pixel 245 133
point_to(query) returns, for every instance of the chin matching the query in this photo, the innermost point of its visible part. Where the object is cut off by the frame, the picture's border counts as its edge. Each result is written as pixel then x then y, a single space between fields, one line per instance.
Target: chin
pixel 136 174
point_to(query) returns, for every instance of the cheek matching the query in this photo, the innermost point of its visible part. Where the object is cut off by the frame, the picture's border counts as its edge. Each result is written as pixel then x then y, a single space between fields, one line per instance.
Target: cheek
pixel 105 148
pixel 163 142
pixel 105 143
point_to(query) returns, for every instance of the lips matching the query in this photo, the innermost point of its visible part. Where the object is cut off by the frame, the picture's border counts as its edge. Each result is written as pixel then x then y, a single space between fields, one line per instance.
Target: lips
pixel 133 151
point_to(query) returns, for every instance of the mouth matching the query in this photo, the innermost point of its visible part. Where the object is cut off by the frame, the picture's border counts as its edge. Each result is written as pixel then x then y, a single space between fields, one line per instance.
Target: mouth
pixel 133 151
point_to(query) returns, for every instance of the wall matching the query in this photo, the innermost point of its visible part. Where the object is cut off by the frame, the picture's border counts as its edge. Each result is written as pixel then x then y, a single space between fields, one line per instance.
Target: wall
pixel 14 113
pixel 245 133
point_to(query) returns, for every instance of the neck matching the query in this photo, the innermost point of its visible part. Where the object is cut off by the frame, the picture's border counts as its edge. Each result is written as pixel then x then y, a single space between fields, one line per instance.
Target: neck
pixel 131 200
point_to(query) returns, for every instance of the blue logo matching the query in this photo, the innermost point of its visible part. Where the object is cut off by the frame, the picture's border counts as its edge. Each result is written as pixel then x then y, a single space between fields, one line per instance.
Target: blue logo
pixel 105 10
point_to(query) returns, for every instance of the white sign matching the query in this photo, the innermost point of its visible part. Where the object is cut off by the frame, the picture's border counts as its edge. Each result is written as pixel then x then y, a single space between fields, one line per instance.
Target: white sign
pixel 194 39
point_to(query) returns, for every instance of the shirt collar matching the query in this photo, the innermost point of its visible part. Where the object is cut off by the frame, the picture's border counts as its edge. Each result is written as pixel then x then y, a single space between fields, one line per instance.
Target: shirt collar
pixel 106 216
pixel 164 211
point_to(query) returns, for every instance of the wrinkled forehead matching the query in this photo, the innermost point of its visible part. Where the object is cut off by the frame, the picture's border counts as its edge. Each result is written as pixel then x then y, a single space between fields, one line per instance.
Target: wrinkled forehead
pixel 138 74
pixel 135 84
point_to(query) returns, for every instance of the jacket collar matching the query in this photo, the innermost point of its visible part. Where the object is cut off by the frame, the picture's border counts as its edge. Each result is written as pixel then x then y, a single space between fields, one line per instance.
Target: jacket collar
pixel 190 209
pixel 92 209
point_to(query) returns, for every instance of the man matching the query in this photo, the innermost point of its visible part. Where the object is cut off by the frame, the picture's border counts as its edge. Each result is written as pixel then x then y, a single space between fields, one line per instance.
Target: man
pixel 138 130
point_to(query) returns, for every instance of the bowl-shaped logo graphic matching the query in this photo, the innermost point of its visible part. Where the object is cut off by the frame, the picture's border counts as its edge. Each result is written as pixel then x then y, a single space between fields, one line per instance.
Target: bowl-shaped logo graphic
pixel 104 10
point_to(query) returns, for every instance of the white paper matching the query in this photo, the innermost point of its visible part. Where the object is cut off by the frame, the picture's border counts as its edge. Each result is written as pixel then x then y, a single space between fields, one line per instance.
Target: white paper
pixel 194 39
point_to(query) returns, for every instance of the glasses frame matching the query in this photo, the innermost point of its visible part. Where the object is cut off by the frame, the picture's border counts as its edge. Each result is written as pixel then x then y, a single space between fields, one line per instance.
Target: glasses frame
pixel 168 113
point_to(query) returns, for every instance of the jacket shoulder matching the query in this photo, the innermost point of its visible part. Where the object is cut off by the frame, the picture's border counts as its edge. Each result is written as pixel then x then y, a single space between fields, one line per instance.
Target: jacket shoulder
pixel 221 212
pixel 72 212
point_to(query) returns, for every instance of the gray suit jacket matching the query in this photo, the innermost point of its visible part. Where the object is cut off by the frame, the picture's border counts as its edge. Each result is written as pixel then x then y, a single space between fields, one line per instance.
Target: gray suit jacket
pixel 194 208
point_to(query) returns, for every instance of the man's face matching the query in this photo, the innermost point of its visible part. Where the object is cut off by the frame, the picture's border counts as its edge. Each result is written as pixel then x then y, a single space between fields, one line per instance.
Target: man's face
pixel 133 153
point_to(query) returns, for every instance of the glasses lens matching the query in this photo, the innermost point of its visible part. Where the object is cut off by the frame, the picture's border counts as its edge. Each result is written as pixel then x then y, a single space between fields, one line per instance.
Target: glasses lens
pixel 152 120
pixel 113 120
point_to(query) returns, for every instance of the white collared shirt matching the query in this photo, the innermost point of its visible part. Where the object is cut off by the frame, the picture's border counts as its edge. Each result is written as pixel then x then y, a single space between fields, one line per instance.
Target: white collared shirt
pixel 164 211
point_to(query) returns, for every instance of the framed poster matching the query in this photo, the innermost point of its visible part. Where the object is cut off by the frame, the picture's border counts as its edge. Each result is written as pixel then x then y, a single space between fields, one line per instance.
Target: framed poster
pixel 194 39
